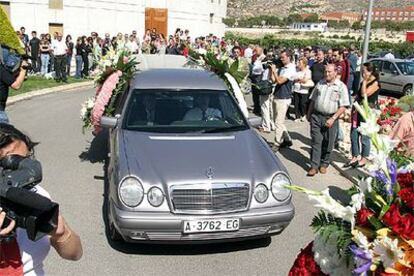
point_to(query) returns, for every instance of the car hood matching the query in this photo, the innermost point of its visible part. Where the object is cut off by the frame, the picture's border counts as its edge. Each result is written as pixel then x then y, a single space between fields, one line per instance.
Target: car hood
pixel 181 159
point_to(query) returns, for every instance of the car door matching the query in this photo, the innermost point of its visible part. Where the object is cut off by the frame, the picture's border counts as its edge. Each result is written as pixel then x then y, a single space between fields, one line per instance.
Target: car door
pixel 378 65
pixel 390 77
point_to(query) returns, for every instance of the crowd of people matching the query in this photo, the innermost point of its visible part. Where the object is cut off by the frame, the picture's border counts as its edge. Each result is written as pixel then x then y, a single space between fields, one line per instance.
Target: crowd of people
pixel 52 53
pixel 320 83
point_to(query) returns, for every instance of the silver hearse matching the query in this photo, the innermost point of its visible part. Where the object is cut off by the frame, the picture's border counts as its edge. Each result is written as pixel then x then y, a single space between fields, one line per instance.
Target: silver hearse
pixel 185 165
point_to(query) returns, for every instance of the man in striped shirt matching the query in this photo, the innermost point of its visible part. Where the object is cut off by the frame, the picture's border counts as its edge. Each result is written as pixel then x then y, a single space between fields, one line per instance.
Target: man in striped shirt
pixel 328 101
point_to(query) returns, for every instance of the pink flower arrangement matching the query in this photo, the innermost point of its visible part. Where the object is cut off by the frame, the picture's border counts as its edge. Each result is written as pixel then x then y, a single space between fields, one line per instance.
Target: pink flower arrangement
pixel 104 94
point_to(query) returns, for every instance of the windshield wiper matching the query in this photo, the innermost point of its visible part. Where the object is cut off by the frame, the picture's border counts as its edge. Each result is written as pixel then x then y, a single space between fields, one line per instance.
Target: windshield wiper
pixel 225 129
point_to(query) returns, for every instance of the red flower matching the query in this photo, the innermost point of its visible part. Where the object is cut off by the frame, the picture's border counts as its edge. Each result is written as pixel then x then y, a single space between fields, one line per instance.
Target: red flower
pixel 362 216
pixel 407 196
pixel 305 264
pixel 402 225
pixel 405 180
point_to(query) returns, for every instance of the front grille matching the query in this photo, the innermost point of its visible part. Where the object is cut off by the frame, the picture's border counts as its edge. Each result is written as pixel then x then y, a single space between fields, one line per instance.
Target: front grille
pixel 211 198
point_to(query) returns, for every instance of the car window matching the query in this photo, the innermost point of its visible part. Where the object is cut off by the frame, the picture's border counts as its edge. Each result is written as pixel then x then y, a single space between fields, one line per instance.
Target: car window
pixel 388 67
pixel 181 111
pixel 378 64
pixel 120 101
pixel 407 68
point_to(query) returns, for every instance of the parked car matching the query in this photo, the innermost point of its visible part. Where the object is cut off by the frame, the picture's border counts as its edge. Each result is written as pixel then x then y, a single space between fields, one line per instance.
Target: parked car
pixel 185 164
pixel 396 75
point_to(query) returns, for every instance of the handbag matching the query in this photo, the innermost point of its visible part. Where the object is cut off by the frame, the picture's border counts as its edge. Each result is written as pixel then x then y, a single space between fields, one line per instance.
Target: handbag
pixel 265 87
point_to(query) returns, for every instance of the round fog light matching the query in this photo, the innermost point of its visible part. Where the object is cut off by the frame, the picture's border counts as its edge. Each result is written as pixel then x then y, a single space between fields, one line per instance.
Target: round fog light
pixel 261 193
pixel 155 196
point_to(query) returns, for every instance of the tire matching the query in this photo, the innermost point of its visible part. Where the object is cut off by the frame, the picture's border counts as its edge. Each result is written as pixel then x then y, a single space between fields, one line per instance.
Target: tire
pixel 408 90
pixel 113 234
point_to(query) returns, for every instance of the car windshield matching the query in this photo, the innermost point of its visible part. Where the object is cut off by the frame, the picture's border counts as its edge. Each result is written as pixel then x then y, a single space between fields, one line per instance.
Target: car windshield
pixel 407 68
pixel 166 111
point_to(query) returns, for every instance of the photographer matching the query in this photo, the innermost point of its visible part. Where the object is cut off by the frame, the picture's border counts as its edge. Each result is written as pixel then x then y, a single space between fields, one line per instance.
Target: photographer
pixel 283 78
pixel 7 79
pixel 21 255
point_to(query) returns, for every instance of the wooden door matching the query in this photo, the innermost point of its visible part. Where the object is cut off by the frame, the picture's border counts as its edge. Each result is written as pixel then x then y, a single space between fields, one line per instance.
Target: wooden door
pixel 55 27
pixel 158 19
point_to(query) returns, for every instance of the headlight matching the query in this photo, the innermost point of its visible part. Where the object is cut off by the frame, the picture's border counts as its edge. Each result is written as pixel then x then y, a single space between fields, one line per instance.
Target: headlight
pixel 279 191
pixel 131 192
pixel 155 196
pixel 261 193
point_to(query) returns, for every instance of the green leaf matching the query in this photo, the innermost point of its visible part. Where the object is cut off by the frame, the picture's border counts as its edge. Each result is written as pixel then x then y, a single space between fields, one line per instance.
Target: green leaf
pixel 375 222
pixel 384 210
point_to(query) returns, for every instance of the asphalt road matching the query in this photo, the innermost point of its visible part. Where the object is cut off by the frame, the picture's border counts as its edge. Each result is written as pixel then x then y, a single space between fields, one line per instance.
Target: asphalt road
pixel 74 176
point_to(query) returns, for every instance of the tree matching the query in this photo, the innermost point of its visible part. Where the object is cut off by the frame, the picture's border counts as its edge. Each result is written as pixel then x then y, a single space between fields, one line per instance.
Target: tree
pixel 8 36
pixel 292 18
pixel 312 18
pixel 229 21
pixel 357 25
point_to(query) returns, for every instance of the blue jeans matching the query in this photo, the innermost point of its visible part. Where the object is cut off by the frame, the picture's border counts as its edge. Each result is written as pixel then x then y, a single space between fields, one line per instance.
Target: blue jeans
pixel 45 63
pixel 360 144
pixel 3 117
pixel 79 61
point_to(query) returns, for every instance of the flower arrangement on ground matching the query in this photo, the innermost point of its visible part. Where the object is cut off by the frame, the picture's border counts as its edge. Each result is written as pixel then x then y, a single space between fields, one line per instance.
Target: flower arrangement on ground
pixel 373 232
pixel 390 113
pixel 113 73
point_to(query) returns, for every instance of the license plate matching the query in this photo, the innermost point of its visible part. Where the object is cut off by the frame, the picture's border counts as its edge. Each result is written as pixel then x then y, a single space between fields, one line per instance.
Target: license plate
pixel 210 225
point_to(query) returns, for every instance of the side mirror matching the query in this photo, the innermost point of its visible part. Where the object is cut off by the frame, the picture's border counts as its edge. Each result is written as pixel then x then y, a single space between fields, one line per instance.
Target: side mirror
pixel 254 121
pixel 109 122
pixel 394 72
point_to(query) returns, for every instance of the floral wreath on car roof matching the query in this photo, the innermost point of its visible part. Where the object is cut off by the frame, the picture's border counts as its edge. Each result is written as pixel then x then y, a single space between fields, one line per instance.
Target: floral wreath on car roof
pixel 373 233
pixel 234 72
pixel 112 75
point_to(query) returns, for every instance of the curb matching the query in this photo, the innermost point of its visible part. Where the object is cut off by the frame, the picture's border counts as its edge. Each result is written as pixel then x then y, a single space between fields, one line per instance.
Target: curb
pixel 353 175
pixel 62 88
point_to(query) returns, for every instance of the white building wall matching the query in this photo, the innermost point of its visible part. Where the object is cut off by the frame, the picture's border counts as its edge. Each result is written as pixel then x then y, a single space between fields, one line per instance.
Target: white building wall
pixel 81 17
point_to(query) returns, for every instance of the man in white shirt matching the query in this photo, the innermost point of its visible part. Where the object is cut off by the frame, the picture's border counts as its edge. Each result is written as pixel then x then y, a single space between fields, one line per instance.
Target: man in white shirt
pixel 256 75
pixel 248 53
pixel 389 55
pixel 59 49
pixel 132 45
pixel 201 111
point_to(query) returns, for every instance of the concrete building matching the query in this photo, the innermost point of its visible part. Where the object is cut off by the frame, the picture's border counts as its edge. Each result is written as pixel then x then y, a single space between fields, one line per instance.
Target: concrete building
pixel 392 14
pixel 81 17
pixel 309 27
pixel 351 17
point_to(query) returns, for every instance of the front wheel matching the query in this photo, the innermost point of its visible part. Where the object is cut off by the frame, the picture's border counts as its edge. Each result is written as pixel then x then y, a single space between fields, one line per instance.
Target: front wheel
pixel 113 234
pixel 408 90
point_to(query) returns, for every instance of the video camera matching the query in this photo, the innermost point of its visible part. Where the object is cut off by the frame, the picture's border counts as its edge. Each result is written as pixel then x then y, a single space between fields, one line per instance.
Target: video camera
pixel 271 59
pixel 11 60
pixel 31 211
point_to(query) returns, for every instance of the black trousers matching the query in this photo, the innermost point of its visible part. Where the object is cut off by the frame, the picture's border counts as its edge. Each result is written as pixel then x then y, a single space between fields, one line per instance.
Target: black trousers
pixel 85 71
pixel 256 96
pixel 300 101
pixel 36 63
pixel 60 67
pixel 323 140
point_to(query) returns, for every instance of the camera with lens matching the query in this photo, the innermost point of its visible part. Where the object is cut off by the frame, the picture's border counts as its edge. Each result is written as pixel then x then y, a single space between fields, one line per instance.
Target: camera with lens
pixel 12 61
pixel 270 60
pixel 31 211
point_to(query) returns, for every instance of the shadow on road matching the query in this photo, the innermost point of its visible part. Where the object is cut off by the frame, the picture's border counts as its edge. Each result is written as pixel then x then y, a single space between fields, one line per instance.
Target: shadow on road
pixel 98 149
pixel 296 157
pixel 297 136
